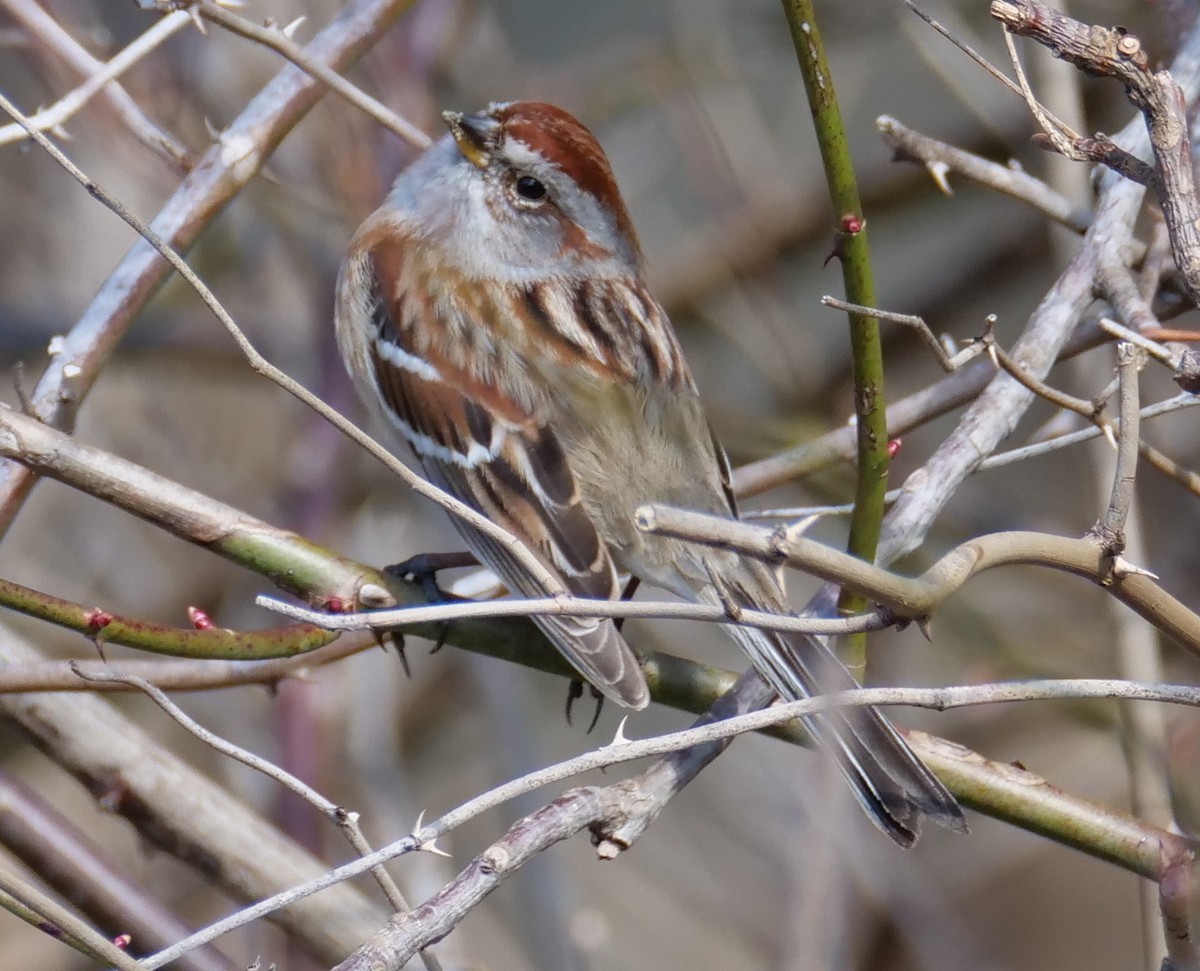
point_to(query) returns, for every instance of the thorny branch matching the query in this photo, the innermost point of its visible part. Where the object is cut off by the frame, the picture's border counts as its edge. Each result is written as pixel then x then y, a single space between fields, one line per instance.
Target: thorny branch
pixel 98 78
pixel 919 597
pixel 226 168
pixel 346 820
pixel 1157 94
pixel 942 160
pixel 1046 334
pixel 991 418
pixel 1136 846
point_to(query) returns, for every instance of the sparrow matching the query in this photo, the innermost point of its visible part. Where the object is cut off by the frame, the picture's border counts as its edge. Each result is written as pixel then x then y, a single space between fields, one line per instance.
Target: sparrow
pixel 494 314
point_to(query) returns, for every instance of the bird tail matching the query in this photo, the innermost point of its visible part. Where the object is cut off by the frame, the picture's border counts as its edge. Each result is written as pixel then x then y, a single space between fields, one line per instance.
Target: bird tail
pixel 893 786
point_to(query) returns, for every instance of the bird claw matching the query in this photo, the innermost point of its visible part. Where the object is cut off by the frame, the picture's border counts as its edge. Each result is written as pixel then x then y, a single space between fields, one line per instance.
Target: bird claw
pixel 574 693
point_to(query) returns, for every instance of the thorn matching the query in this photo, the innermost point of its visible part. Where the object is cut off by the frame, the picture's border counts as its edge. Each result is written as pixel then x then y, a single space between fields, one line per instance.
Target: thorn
pixel 619 736
pixel 428 846
pixel 937 172
pixel 799 527
pixel 1109 436
pixel 290 30
pixel 198 20
pixel 1121 567
pixel 925 626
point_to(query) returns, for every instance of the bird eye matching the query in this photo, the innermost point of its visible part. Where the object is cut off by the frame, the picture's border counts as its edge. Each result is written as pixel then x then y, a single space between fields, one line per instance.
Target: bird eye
pixel 530 189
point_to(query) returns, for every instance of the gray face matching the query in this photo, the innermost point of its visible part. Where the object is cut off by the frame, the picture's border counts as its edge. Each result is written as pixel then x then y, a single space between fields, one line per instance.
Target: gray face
pixel 519 218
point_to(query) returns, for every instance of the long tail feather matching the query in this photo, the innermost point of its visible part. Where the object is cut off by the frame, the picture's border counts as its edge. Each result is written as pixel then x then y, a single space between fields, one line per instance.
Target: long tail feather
pixel 893 786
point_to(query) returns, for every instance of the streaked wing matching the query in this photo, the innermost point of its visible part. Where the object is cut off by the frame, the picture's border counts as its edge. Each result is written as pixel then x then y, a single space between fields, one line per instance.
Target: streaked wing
pixel 489 448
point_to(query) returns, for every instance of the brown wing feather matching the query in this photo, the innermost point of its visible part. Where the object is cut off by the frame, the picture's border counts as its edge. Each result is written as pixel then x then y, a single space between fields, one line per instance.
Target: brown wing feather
pixel 494 452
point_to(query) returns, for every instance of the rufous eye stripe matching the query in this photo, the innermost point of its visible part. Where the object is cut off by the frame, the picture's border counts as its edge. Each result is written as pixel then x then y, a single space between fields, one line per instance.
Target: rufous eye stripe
pixel 562 141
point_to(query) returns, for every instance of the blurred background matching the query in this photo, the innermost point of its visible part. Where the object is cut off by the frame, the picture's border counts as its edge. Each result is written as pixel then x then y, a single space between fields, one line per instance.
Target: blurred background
pixel 700 107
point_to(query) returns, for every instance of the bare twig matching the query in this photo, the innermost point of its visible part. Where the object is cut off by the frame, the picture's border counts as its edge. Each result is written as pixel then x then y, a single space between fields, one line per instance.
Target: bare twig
pixel 1061 135
pixel 53 117
pixel 978 58
pixel 948 362
pixel 98 77
pixel 52 916
pixel 1183 477
pixel 577 607
pixel 1119 54
pixel 920 596
pixel 1152 348
pixel 216 178
pixel 835 446
pixel 183 812
pixel 1136 848
pixel 344 819
pixel 295 563
pixel 1082 435
pixel 394 945
pixel 176 675
pixel 105 627
pixel 995 413
pixel 942 159
pixel 1117 285
pixel 1103 151
pixel 1111 528
pixel 84 872
pixel 1091 410
pixel 278 41
pixel 1175 892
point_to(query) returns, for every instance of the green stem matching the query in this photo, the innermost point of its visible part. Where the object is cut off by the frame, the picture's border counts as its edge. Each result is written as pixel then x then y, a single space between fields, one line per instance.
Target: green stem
pixel 851 249
pixel 104 627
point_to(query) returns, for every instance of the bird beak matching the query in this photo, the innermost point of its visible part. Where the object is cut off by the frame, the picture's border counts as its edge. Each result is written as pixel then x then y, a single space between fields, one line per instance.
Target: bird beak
pixel 475 135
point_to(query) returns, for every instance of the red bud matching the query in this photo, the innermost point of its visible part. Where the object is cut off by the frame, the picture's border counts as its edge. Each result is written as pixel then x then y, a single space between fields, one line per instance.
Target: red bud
pixel 97 619
pixel 200 619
